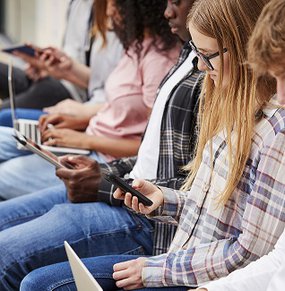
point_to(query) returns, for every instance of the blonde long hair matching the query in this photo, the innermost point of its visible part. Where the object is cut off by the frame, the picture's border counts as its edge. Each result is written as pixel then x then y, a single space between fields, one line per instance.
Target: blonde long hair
pixel 235 107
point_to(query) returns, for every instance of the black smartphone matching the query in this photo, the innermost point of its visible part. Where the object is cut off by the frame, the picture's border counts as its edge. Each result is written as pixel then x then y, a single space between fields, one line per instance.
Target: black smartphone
pixel 124 186
pixel 22 49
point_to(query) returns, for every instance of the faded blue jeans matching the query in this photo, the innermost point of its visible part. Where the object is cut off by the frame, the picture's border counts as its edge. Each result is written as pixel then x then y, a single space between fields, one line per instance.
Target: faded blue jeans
pixel 58 277
pixel 35 226
pixel 22 172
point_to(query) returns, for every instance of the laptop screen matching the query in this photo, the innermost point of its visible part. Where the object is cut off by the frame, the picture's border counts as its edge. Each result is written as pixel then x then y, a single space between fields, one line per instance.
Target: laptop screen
pixel 11 93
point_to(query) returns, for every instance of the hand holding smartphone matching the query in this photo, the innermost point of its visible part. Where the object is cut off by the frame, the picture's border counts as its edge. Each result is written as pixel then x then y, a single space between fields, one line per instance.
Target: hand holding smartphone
pixel 125 187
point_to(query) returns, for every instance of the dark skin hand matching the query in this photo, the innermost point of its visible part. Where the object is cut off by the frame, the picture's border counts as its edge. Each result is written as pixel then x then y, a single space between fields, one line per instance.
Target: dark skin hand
pixel 83 181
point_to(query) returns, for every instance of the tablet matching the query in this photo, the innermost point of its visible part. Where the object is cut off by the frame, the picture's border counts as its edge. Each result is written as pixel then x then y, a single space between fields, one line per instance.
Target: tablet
pixel 36 149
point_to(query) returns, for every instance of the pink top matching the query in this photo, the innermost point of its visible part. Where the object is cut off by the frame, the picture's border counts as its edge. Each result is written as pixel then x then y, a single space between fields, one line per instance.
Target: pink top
pixel 130 92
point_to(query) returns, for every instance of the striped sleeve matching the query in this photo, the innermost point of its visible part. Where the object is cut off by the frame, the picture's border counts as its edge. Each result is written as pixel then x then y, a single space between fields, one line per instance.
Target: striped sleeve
pixel 262 224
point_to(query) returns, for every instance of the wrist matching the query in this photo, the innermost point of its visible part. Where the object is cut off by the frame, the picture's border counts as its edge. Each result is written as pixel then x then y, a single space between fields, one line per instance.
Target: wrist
pixel 69 72
pixel 91 142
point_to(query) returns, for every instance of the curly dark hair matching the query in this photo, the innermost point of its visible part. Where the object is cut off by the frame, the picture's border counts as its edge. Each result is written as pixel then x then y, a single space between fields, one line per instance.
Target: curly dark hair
pixel 138 15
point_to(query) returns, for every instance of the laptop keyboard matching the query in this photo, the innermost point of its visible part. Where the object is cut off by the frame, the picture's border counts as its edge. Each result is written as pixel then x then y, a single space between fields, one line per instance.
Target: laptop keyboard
pixel 29 129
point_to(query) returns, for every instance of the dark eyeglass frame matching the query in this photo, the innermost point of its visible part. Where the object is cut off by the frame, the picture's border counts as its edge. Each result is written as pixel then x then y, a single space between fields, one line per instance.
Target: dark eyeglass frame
pixel 204 58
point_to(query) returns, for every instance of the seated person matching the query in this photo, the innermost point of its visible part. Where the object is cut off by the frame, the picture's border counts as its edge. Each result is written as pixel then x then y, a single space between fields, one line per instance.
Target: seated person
pixel 266 54
pixel 221 225
pixel 167 145
pixel 106 52
pixel 115 131
pixel 35 88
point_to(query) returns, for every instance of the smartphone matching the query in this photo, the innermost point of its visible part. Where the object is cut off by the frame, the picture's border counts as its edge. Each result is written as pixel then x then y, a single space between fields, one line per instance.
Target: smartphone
pixel 124 186
pixel 35 148
pixel 25 49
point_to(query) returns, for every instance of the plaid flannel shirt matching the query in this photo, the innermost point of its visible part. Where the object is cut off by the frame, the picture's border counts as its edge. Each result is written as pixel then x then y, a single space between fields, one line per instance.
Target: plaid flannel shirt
pixel 212 240
pixel 177 140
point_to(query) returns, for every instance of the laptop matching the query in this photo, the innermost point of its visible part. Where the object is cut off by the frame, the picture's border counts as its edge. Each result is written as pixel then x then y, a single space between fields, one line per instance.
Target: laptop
pixel 83 279
pixel 29 128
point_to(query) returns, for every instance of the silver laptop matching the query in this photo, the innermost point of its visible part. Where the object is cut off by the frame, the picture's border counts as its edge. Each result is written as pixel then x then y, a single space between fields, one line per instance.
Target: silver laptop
pixel 83 279
pixel 29 128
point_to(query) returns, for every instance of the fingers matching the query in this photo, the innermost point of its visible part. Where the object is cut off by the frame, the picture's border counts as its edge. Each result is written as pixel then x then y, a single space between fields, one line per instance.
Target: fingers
pixel 64 173
pixel 133 203
pixel 129 200
pixel 79 162
pixel 51 137
pixel 128 274
pixel 138 183
pixel 47 119
pixel 50 109
pixel 52 142
pixel 119 194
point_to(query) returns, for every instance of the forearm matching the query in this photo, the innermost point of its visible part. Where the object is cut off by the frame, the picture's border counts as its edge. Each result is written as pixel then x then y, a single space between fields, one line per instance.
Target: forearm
pixel 174 201
pixel 114 147
pixel 89 110
pixel 79 74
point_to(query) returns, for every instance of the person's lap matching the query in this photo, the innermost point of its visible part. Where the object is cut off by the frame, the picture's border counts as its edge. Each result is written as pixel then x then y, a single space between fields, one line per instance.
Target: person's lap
pixel 93 229
pixel 20 81
pixel 58 277
pixel 42 93
pixel 22 172
pixel 28 207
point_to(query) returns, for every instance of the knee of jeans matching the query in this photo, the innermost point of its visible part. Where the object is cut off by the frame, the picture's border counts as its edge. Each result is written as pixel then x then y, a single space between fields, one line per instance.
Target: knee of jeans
pixel 30 282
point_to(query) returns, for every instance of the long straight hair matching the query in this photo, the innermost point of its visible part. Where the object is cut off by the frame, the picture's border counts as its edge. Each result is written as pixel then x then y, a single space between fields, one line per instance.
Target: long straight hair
pixel 100 20
pixel 236 107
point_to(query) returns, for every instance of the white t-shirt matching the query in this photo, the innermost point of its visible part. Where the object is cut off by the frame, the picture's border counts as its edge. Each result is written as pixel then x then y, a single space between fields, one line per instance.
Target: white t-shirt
pixel 147 162
pixel 265 274
pixel 76 40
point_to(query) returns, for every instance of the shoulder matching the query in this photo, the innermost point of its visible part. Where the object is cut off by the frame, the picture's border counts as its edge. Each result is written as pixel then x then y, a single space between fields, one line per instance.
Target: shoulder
pixel 270 131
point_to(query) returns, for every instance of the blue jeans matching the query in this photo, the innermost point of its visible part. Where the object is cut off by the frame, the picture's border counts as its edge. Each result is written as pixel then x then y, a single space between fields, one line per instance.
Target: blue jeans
pixel 6 118
pixel 22 172
pixel 35 226
pixel 58 277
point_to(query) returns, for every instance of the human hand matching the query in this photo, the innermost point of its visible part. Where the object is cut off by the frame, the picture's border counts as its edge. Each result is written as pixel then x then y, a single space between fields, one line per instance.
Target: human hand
pixel 67 106
pixel 146 188
pixel 35 74
pixel 57 63
pixel 62 121
pixel 83 180
pixel 66 138
pixel 128 274
pixel 36 67
pixel 34 61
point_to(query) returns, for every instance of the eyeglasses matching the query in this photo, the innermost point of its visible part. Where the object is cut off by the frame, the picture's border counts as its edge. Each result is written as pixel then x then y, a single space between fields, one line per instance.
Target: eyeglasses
pixel 204 58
